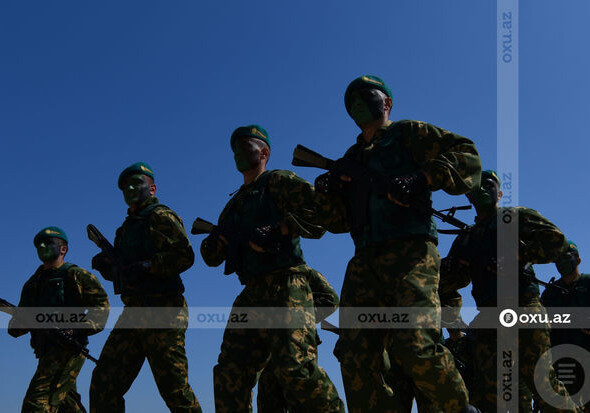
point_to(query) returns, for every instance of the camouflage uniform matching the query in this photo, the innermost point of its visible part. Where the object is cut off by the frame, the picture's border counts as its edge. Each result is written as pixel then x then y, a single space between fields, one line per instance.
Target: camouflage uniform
pixel 472 258
pixel 53 387
pixel 396 264
pixel 153 233
pixel 462 350
pixel 271 397
pixel 579 297
pixel 271 280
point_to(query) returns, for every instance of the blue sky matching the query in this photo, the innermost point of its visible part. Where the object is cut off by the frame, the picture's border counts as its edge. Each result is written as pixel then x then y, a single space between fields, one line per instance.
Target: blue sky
pixel 88 88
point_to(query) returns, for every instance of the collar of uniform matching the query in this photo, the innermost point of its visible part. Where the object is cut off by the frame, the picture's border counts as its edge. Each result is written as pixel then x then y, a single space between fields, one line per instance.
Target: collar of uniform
pixel 379 134
pixel 43 273
pixel 245 187
pixel 570 284
pixel 149 201
pixel 480 221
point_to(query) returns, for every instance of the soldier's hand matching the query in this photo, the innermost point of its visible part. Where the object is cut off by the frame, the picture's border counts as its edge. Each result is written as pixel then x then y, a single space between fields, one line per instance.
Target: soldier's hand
pixel 255 247
pixel 215 240
pixel 267 238
pixel 102 263
pixel 137 272
pixel 446 266
pixel 411 189
pixel 222 241
pixel 454 334
pixel 327 183
pixel 67 333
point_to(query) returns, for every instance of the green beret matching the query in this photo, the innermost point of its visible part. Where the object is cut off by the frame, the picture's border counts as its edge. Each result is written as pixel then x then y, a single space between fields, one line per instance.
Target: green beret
pixel 572 247
pixel 50 232
pixel 491 174
pixel 141 168
pixel 365 82
pixel 250 131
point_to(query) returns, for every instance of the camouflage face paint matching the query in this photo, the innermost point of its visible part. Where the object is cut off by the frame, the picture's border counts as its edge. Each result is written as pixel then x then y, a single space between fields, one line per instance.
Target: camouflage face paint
pixel 486 196
pixel 366 105
pixel 566 264
pixel 246 154
pixel 48 249
pixel 136 189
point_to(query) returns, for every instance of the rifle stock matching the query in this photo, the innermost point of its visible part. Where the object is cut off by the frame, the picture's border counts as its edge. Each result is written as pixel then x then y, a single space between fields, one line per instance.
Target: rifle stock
pixel 326 325
pixel 6 307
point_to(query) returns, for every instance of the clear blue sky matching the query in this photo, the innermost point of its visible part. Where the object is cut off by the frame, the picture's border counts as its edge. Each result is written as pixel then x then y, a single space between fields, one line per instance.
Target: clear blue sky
pixel 89 88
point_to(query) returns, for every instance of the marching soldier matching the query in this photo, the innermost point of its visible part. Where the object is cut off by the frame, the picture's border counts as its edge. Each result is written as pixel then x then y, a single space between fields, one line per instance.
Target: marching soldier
pixel 396 263
pixel 577 286
pixel 153 251
pixel 258 238
pixel 59 284
pixel 474 258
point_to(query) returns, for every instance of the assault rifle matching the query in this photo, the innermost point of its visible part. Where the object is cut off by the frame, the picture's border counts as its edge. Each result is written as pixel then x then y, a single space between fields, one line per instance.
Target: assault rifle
pixel 365 181
pixel 107 248
pixel 64 339
pixel 551 284
pixel 450 214
pixel 202 226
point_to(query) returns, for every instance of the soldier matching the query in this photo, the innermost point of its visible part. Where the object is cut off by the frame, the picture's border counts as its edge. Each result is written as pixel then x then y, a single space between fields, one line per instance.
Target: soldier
pixel 258 238
pixel 57 283
pixel 396 262
pixel 473 258
pixel 153 250
pixel 271 397
pixel 578 295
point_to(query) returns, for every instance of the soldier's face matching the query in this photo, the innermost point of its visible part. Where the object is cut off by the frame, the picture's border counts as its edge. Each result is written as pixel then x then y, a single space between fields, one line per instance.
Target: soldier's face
pixel 49 249
pixel 137 189
pixel 366 105
pixel 486 196
pixel 567 263
pixel 247 154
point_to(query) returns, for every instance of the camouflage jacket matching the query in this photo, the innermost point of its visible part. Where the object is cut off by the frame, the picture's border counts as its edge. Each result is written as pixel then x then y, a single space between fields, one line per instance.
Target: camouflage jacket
pixel 325 299
pixel 294 198
pixel 473 257
pixel 451 161
pixel 83 291
pixel 578 296
pixel 174 253
pixel 155 234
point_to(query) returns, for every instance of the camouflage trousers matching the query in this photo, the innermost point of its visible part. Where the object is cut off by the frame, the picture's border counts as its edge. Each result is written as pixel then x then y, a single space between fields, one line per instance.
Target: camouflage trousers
pixel 123 356
pixel 396 273
pixel 53 387
pixel 290 343
pixel 532 344
pixel 271 397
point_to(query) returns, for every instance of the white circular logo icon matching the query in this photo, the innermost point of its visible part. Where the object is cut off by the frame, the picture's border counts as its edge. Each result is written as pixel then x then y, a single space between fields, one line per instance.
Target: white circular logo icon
pixel 508 318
